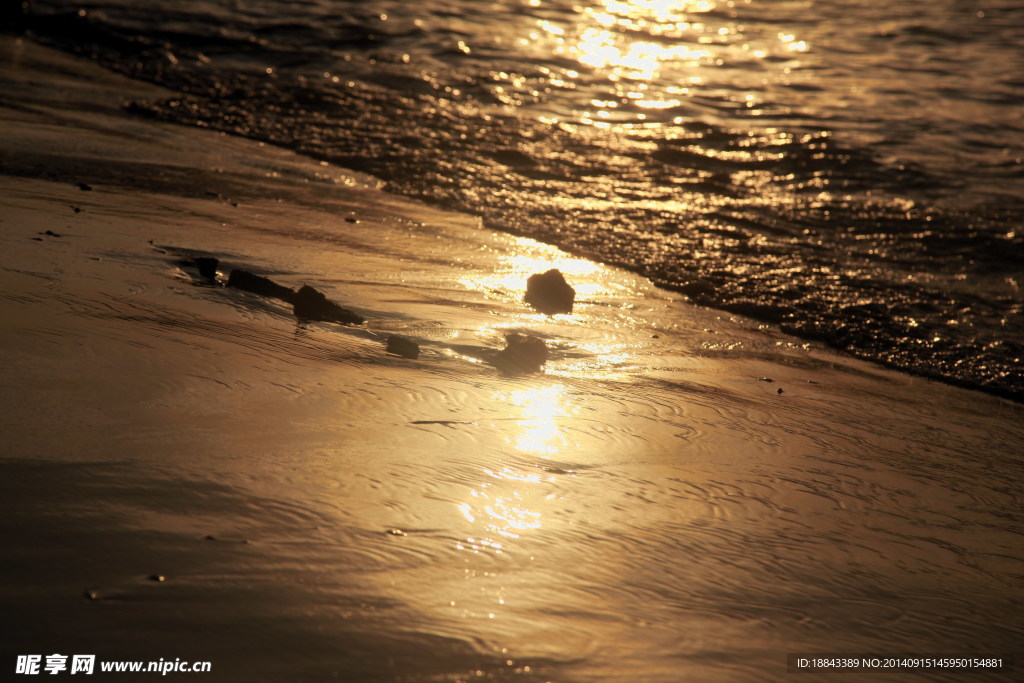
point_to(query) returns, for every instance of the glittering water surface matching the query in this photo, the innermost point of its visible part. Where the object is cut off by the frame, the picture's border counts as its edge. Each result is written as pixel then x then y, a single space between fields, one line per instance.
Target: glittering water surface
pixel 849 170
pixel 681 494
pixel 649 508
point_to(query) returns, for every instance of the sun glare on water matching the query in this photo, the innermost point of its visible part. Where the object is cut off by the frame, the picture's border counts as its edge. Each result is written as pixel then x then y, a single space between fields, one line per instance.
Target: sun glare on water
pixel 605 37
pixel 538 432
pixel 510 278
pixel 506 503
pixel 640 58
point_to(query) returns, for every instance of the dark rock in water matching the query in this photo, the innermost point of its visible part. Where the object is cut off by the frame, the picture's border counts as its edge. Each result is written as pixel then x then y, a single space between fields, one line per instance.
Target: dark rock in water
pixel 549 292
pixel 779 391
pixel 400 346
pixel 207 266
pixel 522 355
pixel 257 284
pixel 84 187
pixel 311 304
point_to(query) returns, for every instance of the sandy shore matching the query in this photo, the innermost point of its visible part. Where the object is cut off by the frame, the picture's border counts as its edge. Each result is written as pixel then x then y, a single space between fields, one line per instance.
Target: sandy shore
pixel 680 495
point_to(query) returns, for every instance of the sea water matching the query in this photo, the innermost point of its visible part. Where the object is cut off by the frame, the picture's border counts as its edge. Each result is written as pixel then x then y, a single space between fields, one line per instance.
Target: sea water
pixel 682 494
pixel 849 170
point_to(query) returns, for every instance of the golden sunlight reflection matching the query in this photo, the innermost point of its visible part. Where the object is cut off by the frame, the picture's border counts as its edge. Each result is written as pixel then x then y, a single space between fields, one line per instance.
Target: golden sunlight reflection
pixel 505 515
pixel 507 502
pixel 540 408
pixel 792 43
pixel 645 58
pixel 608 359
pixel 607 42
pixel 661 11
pixel 510 277
pixel 638 60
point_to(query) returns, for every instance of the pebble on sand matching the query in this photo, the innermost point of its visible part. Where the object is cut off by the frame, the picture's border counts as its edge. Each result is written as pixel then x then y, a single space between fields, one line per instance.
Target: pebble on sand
pixel 207 266
pixel 311 304
pixel 549 293
pixel 257 284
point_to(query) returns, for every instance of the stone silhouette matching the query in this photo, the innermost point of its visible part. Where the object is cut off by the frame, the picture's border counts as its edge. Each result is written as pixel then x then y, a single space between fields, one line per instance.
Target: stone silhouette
pixel 549 293
pixel 312 304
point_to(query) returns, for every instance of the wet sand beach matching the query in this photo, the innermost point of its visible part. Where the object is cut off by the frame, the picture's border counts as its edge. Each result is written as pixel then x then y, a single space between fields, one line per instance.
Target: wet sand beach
pixel 190 472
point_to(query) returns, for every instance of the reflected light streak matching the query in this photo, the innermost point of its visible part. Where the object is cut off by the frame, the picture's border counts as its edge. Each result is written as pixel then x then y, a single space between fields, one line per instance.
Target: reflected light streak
pixel 661 11
pixel 540 407
pixel 639 60
pixel 515 269
pixel 506 505
pixel 506 514
pixel 642 50
pixel 793 44
pixel 607 44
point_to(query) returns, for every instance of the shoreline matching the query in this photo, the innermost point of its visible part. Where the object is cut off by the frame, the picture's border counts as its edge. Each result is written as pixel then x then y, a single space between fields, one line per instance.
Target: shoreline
pixel 648 507
pixel 875 338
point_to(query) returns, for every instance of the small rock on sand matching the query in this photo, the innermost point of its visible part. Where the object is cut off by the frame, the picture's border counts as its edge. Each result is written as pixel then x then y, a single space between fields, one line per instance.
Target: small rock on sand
pixel 207 266
pixel 400 346
pixel 257 284
pixel 522 355
pixel 311 304
pixel 549 292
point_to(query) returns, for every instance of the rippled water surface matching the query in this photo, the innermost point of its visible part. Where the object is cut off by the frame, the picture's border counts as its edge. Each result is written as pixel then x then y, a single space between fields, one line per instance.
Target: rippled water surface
pixel 650 507
pixel 681 494
pixel 850 170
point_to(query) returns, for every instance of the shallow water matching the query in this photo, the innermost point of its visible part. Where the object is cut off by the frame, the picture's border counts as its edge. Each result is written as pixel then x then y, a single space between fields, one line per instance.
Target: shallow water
pixel 849 170
pixel 649 508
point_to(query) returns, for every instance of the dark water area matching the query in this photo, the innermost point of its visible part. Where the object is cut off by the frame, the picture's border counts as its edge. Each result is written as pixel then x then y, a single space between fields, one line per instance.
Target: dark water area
pixel 851 171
